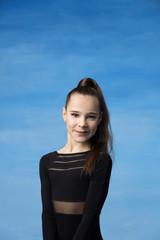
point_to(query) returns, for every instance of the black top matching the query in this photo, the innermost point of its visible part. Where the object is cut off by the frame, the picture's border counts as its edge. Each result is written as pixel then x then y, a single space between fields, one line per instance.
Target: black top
pixel 72 201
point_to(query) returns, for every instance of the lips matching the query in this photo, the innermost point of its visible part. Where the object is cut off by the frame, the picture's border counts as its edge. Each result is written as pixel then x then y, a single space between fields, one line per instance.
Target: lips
pixel 81 132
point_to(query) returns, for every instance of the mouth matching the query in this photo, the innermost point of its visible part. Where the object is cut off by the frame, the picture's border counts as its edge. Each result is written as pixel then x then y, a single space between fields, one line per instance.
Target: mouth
pixel 81 132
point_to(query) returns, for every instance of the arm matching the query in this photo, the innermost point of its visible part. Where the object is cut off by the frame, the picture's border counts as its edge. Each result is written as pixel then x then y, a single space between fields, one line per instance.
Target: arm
pixel 48 218
pixel 97 192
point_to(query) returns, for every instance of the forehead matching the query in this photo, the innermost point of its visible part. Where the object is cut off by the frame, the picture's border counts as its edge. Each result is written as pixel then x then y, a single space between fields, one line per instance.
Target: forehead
pixel 83 103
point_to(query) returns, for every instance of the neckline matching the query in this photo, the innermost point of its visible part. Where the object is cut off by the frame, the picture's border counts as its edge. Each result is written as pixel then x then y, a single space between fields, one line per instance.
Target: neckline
pixel 76 153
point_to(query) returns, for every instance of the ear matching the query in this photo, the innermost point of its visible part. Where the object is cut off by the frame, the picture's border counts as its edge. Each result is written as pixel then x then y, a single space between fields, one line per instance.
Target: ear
pixel 64 114
pixel 100 117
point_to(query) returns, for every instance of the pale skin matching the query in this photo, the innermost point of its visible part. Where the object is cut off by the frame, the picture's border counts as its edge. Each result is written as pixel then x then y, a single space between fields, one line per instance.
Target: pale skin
pixel 82 117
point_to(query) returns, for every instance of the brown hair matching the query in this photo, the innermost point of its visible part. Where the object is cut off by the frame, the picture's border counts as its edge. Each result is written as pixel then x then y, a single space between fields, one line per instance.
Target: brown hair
pixel 102 141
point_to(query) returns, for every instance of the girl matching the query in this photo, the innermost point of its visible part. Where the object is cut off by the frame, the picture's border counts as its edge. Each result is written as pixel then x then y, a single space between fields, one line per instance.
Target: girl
pixel 75 179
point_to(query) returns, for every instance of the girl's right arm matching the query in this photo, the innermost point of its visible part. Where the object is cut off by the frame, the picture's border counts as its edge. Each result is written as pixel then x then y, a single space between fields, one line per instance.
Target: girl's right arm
pixel 48 219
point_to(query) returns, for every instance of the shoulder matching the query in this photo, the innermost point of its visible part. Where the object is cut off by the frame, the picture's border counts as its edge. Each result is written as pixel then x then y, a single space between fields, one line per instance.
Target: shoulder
pixel 104 159
pixel 103 166
pixel 47 157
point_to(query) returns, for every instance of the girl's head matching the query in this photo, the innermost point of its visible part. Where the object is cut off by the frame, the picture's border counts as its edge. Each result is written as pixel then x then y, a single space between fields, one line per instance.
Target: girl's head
pixel 82 116
pixel 89 117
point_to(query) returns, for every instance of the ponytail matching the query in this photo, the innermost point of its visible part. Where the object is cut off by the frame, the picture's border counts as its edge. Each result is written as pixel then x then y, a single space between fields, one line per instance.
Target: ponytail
pixel 102 141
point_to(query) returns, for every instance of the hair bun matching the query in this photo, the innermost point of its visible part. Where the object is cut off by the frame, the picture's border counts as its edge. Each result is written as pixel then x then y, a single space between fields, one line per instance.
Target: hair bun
pixel 91 83
pixel 87 82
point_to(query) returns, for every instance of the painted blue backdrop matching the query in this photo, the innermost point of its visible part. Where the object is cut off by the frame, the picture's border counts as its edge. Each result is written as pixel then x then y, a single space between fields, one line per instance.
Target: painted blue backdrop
pixel 46 47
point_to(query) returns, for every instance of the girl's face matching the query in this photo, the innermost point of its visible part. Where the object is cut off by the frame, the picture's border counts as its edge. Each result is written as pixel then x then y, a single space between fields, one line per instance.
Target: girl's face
pixel 82 117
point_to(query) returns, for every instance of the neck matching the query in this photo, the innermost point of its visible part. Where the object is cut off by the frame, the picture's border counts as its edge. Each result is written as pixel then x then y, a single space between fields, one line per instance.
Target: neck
pixel 69 149
pixel 73 147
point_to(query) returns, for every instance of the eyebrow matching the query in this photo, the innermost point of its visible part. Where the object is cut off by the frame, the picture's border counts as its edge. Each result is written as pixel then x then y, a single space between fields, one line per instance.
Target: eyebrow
pixel 94 113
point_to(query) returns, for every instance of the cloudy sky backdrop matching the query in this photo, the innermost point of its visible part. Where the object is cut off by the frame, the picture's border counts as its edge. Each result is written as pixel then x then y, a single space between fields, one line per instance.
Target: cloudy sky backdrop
pixel 46 47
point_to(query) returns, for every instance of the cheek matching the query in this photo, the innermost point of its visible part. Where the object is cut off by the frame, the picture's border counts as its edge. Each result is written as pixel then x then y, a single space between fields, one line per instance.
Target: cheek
pixel 93 126
pixel 71 123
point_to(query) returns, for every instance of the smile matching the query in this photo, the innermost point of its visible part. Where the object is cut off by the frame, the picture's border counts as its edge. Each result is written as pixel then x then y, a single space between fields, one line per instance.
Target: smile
pixel 81 132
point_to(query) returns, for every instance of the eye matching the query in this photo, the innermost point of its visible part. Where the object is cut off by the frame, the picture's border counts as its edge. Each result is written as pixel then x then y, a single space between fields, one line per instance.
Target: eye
pixel 91 117
pixel 74 114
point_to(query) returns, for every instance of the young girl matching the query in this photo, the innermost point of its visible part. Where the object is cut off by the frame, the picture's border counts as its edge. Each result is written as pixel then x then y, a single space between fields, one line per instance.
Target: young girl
pixel 75 179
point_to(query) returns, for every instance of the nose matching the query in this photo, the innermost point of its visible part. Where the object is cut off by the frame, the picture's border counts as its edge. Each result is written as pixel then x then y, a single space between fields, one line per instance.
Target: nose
pixel 82 122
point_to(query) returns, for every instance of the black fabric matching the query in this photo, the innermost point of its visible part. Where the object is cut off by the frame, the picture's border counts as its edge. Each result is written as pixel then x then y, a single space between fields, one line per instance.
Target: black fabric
pixel 61 180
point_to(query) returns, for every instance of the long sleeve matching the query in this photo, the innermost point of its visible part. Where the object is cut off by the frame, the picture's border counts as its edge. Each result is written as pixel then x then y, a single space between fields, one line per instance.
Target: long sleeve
pixel 48 218
pixel 97 192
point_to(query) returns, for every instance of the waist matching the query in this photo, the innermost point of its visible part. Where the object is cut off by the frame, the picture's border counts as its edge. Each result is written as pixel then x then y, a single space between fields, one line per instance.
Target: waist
pixel 68 207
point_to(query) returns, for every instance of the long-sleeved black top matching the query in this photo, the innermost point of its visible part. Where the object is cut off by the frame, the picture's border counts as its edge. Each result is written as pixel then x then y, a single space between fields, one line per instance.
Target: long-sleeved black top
pixel 72 201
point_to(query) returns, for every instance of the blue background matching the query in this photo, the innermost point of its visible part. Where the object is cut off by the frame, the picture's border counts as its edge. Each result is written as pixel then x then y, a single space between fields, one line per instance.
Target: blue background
pixel 46 47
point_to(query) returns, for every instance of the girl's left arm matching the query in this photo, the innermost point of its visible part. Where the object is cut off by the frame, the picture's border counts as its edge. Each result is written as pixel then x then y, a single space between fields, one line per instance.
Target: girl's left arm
pixel 97 193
